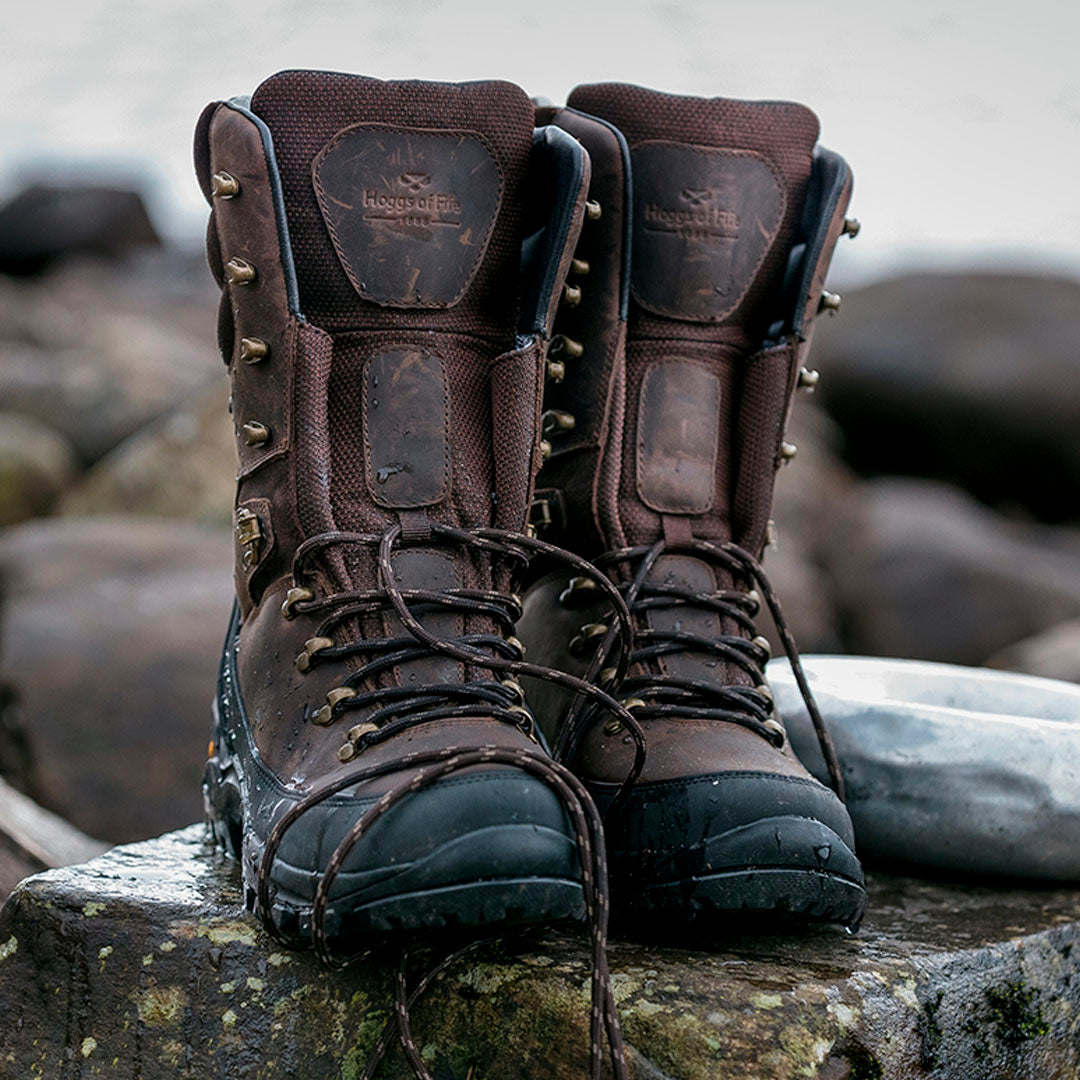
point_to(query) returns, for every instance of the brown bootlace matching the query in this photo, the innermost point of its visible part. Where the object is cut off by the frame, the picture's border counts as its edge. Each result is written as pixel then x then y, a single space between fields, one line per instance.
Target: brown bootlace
pixel 485 697
pixel 670 696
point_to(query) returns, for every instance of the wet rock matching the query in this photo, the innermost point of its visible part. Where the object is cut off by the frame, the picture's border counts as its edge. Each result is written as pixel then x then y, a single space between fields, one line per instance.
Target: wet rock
pixel 1054 653
pixel 36 463
pixel 44 222
pixel 181 465
pixel 925 572
pixel 109 640
pixel 143 963
pixel 964 377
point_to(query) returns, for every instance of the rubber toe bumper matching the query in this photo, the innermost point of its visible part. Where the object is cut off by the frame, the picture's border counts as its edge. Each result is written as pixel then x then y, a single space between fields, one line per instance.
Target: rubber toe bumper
pixel 687 849
pixel 486 847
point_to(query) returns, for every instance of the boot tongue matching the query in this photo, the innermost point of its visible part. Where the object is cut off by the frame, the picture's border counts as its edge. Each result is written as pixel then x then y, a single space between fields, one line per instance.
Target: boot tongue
pixel 718 192
pixel 401 197
pixel 403 202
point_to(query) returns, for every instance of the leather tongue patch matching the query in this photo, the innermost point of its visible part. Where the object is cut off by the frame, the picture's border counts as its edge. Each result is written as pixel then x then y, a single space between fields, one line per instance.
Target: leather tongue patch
pixel 704 221
pixel 410 212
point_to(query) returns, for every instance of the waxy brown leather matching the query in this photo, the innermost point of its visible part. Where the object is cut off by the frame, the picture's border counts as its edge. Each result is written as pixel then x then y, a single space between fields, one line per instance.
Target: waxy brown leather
pixel 705 397
pixel 588 390
pixel 446 404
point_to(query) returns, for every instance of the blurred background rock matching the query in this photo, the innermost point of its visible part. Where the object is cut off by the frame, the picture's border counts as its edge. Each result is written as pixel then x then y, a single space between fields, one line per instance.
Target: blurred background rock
pixel 933 510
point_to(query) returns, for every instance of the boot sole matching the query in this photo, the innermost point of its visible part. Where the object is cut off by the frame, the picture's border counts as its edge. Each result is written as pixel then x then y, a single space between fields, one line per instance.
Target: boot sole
pixel 792 896
pixel 481 899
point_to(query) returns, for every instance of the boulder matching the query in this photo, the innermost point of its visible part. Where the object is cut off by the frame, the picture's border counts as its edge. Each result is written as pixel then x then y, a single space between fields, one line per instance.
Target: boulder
pixel 126 371
pixel 180 465
pixel 45 222
pixel 947 768
pixel 968 378
pixel 1054 653
pixel 36 463
pixel 110 634
pixel 815 494
pixel 144 963
pixel 923 571
pixel 96 351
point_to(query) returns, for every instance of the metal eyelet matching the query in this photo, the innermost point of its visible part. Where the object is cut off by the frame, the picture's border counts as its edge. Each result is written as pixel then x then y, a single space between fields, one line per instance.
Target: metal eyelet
pixel 253 350
pixel 808 379
pixel 326 714
pixel 571 295
pixel 607 675
pixel 240 272
pixel 560 343
pixel 830 302
pixel 787 452
pixel 614 725
pixel 753 598
pixel 556 371
pixel 312 647
pixel 255 433
pixel 553 421
pixel 545 449
pixel 574 595
pixel 517 643
pixel 516 689
pixel 224 185
pixel 589 632
pixel 593 210
pixel 346 752
pixel 358 731
pixel 579 267
pixel 298 594
pixel 772 724
pixel 249 536
pixel 851 227
pixel 762 643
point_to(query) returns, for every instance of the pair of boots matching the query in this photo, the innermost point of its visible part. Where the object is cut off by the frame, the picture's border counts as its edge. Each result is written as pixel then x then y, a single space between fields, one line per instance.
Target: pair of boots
pixel 510 385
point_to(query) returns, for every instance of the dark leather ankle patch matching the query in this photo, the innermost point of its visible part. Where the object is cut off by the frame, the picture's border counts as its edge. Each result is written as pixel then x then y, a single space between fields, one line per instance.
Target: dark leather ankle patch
pixel 678 436
pixel 406 428
pixel 704 221
pixel 410 212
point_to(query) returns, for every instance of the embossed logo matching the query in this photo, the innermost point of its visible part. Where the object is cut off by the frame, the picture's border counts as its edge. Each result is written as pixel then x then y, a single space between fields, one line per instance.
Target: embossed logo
pixel 699 216
pixel 410 205
pixel 704 219
pixel 409 212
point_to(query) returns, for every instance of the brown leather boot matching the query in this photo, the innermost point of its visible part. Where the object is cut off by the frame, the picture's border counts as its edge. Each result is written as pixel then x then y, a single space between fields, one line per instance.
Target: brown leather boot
pixel 391 256
pixel 662 470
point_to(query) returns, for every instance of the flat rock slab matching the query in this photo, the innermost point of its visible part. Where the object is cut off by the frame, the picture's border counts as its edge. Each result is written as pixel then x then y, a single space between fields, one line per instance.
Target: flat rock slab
pixel 142 963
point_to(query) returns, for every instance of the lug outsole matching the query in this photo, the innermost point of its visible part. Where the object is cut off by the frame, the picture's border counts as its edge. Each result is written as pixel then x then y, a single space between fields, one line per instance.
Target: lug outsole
pixel 784 894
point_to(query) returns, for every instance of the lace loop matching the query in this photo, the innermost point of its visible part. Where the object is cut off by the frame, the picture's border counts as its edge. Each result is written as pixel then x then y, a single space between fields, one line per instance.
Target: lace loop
pixel 667 695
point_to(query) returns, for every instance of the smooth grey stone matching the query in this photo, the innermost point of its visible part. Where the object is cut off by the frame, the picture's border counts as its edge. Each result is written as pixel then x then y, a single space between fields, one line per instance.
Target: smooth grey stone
pixel 951 767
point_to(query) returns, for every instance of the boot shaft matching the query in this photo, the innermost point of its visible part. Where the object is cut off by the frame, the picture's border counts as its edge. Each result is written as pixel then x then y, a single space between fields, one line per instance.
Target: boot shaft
pixel 385 347
pixel 392 256
pixel 732 217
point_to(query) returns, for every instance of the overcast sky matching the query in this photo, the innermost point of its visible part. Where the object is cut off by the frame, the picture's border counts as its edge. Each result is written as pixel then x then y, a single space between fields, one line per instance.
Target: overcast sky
pixel 961 119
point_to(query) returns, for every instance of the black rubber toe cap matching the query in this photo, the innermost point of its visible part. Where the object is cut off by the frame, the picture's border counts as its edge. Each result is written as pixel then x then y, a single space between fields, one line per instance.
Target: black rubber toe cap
pixel 690 826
